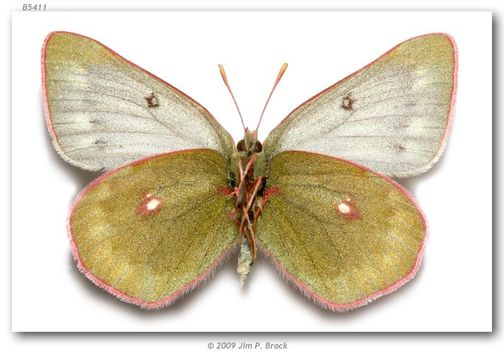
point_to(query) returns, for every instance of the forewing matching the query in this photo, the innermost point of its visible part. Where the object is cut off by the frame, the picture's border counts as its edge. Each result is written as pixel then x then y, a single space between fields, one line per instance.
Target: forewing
pixel 103 111
pixel 391 116
pixel 152 230
pixel 342 234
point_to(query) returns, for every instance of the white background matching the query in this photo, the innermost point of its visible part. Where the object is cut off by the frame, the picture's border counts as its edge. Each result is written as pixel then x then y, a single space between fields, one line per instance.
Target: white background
pixel 49 294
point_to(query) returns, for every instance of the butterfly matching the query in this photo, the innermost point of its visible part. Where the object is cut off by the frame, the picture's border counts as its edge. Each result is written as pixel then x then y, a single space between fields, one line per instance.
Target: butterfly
pixel 177 196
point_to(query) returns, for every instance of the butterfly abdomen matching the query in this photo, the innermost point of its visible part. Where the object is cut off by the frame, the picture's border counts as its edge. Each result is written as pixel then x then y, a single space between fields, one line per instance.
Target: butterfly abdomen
pixel 250 191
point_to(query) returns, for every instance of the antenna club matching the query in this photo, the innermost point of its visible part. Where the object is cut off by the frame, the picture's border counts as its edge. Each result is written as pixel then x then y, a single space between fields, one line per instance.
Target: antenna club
pixel 281 72
pixel 223 73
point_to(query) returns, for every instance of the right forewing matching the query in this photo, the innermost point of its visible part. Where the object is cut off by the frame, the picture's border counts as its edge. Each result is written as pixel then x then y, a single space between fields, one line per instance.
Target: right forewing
pixel 391 116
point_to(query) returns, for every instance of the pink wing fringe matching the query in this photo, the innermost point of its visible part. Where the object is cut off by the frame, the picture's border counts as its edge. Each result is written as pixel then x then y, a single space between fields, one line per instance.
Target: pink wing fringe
pixel 451 110
pixel 121 295
pixel 47 110
pixel 304 288
pixel 200 280
pixel 327 304
pixel 81 266
pixel 450 116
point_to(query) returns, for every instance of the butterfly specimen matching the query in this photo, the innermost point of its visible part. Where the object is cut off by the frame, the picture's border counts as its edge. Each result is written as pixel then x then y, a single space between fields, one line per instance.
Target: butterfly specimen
pixel 177 196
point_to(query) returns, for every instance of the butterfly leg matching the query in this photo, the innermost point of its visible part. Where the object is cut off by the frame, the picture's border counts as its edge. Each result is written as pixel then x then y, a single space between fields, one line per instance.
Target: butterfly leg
pixel 246 194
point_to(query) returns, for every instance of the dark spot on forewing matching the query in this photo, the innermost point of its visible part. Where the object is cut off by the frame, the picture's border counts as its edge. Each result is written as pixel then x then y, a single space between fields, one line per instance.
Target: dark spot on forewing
pixel 348 102
pixel 152 100
pixel 402 125
pixel 100 142
pixel 399 148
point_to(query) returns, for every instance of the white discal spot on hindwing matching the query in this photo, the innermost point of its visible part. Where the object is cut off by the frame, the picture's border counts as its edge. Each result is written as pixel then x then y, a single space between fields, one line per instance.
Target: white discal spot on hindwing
pixel 153 204
pixel 346 209
pixel 149 205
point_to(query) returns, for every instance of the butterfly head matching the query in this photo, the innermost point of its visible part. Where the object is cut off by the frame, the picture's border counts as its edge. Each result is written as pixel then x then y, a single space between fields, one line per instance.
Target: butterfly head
pixel 249 144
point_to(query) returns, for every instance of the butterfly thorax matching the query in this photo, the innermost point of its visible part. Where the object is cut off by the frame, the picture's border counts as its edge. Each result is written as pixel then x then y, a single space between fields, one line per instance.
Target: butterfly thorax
pixel 248 206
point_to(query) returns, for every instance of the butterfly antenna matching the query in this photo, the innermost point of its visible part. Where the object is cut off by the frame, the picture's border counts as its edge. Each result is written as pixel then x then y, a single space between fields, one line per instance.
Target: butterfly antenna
pixel 279 77
pixel 224 78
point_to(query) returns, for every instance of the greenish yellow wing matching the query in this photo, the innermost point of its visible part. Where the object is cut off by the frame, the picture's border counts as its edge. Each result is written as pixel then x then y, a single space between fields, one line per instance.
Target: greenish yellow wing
pixel 341 233
pixel 152 230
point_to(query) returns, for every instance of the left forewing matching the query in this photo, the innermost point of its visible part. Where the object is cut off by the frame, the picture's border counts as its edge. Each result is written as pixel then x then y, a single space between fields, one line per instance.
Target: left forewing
pixel 103 111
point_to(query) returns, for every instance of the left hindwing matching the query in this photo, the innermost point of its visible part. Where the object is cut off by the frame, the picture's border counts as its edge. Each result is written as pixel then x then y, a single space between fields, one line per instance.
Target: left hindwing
pixel 152 230
pixel 391 116
pixel 342 234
